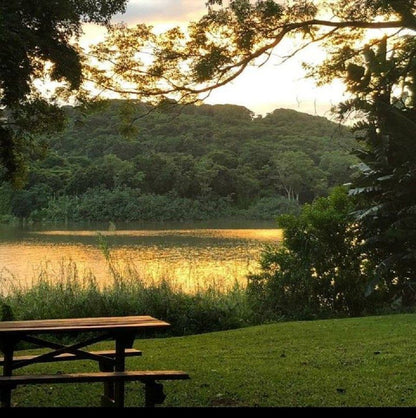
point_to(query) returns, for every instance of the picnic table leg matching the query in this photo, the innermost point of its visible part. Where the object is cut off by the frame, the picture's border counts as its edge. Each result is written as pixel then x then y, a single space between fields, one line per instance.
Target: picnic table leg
pixel 107 399
pixel 6 392
pixel 153 393
pixel 123 341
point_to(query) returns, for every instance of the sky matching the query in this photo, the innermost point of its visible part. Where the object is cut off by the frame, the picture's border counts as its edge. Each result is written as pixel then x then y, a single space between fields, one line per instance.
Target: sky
pixel 262 90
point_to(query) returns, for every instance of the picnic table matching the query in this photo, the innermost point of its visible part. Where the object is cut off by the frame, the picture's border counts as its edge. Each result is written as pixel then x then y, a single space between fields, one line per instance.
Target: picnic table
pixel 112 363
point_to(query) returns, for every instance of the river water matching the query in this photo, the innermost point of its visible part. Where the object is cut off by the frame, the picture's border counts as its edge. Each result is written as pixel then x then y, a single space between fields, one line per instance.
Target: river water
pixel 190 255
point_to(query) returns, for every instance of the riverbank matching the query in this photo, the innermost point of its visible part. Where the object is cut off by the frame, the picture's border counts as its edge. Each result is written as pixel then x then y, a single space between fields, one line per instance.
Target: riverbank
pixel 67 294
pixel 354 362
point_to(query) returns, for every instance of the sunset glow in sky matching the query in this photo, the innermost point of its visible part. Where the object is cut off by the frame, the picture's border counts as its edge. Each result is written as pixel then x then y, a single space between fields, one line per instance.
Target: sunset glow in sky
pixel 261 90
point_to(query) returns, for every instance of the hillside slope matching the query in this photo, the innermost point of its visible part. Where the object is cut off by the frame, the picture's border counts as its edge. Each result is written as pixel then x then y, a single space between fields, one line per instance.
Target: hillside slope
pixel 128 162
pixel 343 362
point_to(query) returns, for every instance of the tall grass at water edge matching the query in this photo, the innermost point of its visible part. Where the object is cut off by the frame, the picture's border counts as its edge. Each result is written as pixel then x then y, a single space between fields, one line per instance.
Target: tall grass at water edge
pixel 65 292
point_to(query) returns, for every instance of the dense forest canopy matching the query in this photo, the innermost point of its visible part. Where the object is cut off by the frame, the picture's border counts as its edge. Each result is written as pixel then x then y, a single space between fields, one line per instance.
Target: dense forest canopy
pixel 135 162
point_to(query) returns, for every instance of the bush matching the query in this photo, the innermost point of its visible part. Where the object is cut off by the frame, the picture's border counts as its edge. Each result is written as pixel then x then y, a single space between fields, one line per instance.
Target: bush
pixel 126 204
pixel 319 270
pixel 268 208
pixel 8 220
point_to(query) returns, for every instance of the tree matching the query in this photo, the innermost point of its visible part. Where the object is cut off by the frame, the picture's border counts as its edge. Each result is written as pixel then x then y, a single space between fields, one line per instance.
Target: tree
pixel 379 71
pixel 385 187
pixel 187 65
pixel 296 175
pixel 337 166
pixel 36 42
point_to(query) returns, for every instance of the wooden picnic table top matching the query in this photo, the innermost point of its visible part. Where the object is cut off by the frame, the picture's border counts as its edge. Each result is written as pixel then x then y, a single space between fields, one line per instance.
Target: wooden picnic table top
pixel 116 323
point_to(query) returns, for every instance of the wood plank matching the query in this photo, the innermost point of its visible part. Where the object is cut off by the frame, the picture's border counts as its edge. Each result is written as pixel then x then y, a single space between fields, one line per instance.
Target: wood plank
pixel 138 375
pixel 91 321
pixel 81 324
pixel 129 352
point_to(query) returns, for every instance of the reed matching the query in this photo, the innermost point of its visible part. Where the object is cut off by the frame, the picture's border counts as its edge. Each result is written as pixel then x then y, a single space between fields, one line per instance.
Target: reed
pixel 64 291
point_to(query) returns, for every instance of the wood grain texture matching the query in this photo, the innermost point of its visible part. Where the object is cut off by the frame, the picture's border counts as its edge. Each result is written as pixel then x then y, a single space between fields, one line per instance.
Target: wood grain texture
pixel 81 324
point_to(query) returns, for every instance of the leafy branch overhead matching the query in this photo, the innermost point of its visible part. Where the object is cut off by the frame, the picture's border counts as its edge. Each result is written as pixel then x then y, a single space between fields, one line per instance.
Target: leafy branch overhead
pixel 186 65
pixel 36 43
pixel 182 65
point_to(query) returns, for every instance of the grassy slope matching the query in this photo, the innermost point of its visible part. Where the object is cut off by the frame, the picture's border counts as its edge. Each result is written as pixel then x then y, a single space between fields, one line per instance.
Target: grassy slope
pixel 346 362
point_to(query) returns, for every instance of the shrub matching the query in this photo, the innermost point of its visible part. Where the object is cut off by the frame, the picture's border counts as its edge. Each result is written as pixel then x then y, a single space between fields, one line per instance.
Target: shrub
pixel 268 208
pixel 125 204
pixel 319 270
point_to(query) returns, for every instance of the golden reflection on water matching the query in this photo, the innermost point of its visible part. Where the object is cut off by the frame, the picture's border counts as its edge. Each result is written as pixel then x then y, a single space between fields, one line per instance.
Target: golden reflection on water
pixel 250 234
pixel 222 258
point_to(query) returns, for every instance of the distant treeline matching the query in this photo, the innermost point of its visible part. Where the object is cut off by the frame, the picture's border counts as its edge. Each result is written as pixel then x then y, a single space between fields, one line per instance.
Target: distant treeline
pixel 131 162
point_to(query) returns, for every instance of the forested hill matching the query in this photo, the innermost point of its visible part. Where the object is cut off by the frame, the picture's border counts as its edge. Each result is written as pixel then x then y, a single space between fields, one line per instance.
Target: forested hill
pixel 129 162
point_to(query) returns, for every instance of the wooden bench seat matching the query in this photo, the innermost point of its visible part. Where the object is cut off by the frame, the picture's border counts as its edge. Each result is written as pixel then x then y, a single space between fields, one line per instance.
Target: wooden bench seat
pixel 129 352
pixel 153 390
pixel 135 375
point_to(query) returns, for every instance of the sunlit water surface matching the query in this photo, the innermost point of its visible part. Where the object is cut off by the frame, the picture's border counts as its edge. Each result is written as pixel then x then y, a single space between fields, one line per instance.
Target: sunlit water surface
pixel 189 255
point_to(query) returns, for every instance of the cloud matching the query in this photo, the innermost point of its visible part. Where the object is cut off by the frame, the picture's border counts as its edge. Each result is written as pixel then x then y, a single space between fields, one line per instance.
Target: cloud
pixel 161 11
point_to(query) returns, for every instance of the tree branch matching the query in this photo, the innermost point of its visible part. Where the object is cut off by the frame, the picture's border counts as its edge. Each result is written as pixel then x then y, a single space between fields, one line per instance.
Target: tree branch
pixel 226 74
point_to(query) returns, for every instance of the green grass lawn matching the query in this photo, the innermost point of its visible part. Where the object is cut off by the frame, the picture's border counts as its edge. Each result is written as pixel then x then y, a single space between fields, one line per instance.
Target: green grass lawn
pixel 344 362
